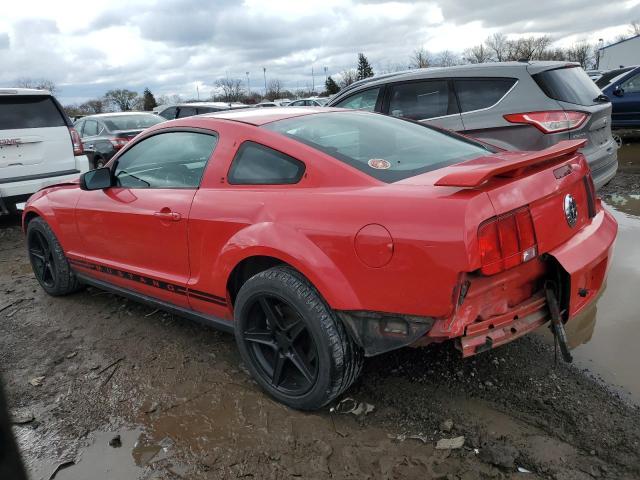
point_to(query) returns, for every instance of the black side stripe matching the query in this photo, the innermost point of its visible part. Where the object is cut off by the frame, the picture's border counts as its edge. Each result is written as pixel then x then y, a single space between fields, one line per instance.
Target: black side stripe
pixel 170 287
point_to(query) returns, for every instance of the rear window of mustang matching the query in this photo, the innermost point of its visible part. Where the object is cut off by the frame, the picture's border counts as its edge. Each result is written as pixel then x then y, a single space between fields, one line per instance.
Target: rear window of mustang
pixel 386 148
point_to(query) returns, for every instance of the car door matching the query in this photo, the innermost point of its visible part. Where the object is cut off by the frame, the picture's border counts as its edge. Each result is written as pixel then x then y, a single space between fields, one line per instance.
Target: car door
pixel 134 234
pixel 428 101
pixel 626 104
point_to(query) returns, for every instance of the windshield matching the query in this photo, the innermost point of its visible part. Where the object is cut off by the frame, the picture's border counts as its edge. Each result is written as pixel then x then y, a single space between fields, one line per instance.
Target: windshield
pixel 612 76
pixel 568 84
pixel 132 122
pixel 386 148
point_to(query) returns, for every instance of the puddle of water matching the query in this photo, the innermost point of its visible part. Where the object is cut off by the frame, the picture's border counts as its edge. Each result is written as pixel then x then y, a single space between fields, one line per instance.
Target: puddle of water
pixel 629 157
pixel 605 338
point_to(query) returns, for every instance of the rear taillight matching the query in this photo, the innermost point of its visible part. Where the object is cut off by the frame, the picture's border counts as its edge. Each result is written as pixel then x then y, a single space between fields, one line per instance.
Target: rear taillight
pixel 507 241
pixel 552 121
pixel 118 142
pixel 76 141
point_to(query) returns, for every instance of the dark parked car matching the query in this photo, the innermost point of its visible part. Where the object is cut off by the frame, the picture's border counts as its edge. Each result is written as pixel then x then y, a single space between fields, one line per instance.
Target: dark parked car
pixel 181 110
pixel 622 86
pixel 104 134
pixel 512 105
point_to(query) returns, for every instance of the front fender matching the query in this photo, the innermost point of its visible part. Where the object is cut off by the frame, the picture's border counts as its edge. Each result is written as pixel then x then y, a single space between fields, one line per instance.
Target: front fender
pixel 269 239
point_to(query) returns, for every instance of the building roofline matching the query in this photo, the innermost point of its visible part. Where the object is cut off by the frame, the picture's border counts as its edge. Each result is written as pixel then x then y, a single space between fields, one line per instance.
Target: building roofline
pixel 619 41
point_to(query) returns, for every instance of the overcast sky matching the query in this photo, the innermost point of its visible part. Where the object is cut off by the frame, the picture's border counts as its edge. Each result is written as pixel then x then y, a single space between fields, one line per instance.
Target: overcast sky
pixel 170 46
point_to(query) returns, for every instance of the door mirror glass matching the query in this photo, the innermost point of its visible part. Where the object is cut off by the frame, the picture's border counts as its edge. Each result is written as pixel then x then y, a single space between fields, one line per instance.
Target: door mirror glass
pixel 97 179
pixel 618 92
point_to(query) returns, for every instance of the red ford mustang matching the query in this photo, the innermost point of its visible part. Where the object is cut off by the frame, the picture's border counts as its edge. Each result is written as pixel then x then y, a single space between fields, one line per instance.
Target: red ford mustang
pixel 323 236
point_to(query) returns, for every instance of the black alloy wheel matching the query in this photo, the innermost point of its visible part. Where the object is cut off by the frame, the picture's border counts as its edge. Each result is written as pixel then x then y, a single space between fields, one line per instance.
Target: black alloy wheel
pixel 280 344
pixel 292 342
pixel 41 256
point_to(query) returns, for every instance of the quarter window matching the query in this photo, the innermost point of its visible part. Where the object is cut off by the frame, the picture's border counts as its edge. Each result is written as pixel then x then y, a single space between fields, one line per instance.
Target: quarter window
pixel 421 100
pixel 478 93
pixel 256 164
pixel 365 100
pixel 166 160
pixel 186 112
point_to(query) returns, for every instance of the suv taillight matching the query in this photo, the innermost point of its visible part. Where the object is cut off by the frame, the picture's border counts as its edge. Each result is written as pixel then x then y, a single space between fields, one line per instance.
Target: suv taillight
pixel 552 121
pixel 507 241
pixel 118 142
pixel 76 141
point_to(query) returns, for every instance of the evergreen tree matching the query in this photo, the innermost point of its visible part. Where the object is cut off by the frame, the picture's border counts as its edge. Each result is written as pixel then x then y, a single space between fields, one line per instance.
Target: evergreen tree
pixel 331 86
pixel 364 68
pixel 148 100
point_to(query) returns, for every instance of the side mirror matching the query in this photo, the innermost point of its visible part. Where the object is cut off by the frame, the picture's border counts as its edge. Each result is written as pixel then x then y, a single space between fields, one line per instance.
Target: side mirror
pixel 618 92
pixel 97 179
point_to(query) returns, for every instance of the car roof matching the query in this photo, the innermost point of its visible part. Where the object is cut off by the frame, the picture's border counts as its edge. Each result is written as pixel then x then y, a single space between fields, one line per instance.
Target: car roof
pixel 468 69
pixel 261 116
pixel 23 91
pixel 119 114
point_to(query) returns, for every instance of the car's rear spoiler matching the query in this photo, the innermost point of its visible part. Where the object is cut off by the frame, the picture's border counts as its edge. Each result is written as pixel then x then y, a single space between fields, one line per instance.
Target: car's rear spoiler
pixel 474 173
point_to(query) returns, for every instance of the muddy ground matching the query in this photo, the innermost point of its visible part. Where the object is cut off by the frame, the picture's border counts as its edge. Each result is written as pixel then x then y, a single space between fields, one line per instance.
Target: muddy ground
pixel 83 369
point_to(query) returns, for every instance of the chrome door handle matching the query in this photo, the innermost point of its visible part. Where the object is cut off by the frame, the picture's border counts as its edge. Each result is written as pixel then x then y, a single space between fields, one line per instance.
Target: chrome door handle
pixel 171 216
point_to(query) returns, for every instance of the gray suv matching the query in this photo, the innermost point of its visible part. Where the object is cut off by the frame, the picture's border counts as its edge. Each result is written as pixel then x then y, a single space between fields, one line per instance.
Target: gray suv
pixel 512 105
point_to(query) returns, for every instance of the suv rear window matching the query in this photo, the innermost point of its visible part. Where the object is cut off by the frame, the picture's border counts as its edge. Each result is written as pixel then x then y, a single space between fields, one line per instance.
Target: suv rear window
pixel 386 148
pixel 568 84
pixel 478 93
pixel 29 111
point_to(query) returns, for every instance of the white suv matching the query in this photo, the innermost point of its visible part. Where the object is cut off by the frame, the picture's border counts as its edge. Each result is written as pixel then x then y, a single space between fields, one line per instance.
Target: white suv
pixel 38 145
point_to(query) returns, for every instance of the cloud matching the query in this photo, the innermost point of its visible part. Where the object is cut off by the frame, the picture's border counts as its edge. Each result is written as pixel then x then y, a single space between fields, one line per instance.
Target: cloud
pixel 169 46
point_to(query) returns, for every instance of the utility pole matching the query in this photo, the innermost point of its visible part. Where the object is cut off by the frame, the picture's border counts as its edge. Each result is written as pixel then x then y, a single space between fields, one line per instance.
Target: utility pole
pixel 600 42
pixel 264 71
pixel 325 74
pixel 313 81
pixel 248 85
pixel 197 91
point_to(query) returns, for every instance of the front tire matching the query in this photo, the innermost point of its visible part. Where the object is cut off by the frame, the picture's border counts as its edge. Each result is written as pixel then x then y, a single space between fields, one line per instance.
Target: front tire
pixel 292 343
pixel 48 260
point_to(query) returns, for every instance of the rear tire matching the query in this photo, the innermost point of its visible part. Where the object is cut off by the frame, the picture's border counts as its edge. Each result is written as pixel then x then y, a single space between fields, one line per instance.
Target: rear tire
pixel 48 260
pixel 292 342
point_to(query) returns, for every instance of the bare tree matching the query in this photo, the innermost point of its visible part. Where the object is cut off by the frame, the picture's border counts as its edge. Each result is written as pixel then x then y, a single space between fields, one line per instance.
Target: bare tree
pixel 40 84
pixel 582 53
pixel 122 98
pixel 232 89
pixel 93 106
pixel 347 77
pixel 634 28
pixel 498 45
pixel 421 58
pixel 274 89
pixel 446 58
pixel 477 54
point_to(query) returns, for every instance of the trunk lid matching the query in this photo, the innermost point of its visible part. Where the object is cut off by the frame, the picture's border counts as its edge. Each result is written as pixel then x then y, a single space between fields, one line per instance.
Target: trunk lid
pixel 542 181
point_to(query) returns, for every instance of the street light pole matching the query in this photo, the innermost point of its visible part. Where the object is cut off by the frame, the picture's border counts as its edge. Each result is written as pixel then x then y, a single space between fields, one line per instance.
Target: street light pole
pixel 313 81
pixel 600 42
pixel 248 85
pixel 326 77
pixel 264 71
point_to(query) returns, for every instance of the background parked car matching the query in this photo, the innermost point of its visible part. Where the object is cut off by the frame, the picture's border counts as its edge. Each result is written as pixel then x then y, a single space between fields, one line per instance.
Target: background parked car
pixel 104 134
pixel 38 145
pixel 181 110
pixel 309 102
pixel 622 86
pixel 265 105
pixel 513 105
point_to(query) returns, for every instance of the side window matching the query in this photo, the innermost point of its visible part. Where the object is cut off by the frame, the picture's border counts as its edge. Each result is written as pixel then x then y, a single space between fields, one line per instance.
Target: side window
pixel 365 100
pixel 169 113
pixel 631 85
pixel 421 100
pixel 476 93
pixel 201 110
pixel 186 112
pixel 255 164
pixel 90 128
pixel 166 160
